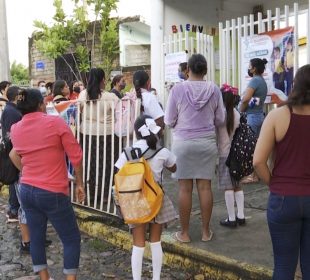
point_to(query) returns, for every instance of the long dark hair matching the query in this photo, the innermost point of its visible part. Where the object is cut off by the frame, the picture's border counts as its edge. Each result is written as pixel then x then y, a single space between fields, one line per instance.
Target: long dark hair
pixel 152 139
pixel 300 94
pixel 229 99
pixel 96 75
pixel 140 79
pixel 29 100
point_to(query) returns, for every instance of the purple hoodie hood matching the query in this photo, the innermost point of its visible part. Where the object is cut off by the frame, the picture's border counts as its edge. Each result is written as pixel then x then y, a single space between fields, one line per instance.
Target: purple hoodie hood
pixel 198 93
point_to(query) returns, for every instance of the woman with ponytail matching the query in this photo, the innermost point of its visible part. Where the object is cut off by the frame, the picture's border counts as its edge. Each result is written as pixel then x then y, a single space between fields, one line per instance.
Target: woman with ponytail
pixel 95 95
pixel 149 103
pixel 255 94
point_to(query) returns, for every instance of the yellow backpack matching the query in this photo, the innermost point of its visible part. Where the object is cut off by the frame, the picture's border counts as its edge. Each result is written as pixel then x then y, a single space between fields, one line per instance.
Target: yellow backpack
pixel 136 192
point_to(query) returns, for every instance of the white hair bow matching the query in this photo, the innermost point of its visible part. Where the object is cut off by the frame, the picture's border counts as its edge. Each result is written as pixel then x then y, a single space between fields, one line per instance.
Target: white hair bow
pixel 148 127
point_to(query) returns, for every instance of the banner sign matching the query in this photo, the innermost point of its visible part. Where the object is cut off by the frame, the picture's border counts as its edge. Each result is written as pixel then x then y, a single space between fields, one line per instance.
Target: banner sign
pixel 277 47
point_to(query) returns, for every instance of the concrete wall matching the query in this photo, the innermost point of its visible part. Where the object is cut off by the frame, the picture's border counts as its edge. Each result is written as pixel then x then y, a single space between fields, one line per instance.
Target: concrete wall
pixel 131 33
pixel 47 74
pixel 206 13
pixel 210 13
pixel 128 35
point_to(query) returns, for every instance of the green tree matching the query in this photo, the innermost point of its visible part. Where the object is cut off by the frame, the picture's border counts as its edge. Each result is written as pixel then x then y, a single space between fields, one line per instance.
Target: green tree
pixel 81 38
pixel 19 73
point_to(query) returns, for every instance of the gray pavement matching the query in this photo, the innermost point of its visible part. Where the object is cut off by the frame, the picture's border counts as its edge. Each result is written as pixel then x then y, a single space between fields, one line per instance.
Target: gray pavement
pixel 99 259
pixel 250 244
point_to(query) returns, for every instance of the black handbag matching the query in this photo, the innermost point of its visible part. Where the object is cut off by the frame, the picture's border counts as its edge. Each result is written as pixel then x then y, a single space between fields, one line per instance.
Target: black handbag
pixel 8 172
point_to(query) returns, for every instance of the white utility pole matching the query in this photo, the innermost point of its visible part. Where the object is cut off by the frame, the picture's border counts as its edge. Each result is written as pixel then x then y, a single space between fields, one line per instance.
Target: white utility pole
pixel 4 46
pixel 157 40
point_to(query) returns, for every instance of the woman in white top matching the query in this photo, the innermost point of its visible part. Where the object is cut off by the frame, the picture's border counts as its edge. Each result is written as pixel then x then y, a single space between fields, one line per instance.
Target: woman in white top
pixel 98 122
pixel 149 102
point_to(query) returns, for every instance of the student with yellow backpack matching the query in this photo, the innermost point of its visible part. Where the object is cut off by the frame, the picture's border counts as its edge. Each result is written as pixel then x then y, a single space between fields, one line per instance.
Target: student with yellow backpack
pixel 142 201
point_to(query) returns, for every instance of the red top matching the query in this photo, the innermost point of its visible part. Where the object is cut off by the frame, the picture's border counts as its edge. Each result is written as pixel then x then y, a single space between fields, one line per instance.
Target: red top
pixel 42 141
pixel 291 173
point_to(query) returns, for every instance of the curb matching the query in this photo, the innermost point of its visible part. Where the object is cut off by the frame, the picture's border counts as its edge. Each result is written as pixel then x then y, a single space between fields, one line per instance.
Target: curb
pixel 177 255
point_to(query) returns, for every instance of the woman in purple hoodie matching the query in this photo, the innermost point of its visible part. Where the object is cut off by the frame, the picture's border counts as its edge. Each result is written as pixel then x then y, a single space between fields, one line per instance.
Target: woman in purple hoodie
pixel 194 110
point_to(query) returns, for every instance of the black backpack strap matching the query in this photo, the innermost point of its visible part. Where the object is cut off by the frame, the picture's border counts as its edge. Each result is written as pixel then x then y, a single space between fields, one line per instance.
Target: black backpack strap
pixel 148 154
pixel 132 154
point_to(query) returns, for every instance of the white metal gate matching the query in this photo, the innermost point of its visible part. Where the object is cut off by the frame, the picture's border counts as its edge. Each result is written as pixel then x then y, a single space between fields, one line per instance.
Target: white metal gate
pixel 230 38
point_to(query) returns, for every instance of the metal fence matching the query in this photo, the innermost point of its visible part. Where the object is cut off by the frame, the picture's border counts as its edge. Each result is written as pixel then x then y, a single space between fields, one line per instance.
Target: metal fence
pixel 96 131
pixel 231 32
pixel 99 157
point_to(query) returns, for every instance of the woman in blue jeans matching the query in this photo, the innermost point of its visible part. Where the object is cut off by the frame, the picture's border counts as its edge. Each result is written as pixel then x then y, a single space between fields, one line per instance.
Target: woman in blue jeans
pixel 255 94
pixel 286 134
pixel 40 143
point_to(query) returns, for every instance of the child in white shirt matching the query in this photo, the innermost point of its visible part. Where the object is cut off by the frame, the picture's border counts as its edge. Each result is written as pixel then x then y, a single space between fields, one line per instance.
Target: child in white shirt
pixel 147 133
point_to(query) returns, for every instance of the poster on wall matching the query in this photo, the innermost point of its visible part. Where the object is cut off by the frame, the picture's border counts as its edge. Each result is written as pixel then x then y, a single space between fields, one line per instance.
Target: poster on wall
pixel 277 47
pixel 172 61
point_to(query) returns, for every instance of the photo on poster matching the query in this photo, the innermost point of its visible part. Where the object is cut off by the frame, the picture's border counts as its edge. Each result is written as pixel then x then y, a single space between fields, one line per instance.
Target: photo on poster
pixel 277 47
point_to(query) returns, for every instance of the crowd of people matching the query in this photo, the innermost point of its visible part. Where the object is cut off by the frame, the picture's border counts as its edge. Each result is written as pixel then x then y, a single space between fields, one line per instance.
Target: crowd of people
pixel 203 119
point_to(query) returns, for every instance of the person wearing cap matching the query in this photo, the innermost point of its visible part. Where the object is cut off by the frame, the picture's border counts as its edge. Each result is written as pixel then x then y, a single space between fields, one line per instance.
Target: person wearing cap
pixel 44 191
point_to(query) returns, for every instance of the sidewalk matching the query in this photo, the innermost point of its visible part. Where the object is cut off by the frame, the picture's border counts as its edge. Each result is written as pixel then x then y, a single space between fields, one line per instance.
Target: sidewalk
pixel 249 244
pixel 241 253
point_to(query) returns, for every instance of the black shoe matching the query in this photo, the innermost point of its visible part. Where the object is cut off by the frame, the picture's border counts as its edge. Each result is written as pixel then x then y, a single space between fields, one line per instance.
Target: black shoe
pixel 48 242
pixel 25 247
pixel 241 222
pixel 228 223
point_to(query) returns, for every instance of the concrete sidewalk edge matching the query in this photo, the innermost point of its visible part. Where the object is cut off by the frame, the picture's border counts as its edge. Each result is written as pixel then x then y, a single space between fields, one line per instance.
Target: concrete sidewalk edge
pixel 176 254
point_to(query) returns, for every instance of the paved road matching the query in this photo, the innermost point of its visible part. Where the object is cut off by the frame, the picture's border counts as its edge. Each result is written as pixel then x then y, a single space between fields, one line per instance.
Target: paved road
pixel 99 260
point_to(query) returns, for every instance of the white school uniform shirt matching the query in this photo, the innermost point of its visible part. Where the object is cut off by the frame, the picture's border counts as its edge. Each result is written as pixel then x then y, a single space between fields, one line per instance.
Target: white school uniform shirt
pixel 164 158
pixel 151 105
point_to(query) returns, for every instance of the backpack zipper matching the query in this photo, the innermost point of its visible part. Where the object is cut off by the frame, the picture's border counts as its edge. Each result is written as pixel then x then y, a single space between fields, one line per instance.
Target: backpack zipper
pixel 150 187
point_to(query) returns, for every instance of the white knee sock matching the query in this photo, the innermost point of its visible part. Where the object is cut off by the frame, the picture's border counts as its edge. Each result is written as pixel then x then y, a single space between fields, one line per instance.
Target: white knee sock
pixel 239 196
pixel 157 259
pixel 230 204
pixel 136 262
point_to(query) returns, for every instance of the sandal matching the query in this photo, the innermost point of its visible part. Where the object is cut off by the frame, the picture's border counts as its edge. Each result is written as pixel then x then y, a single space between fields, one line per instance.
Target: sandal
pixel 209 238
pixel 176 236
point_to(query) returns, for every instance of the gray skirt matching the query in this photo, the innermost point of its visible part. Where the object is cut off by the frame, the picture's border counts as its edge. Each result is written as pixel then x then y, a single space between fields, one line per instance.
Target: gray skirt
pixel 196 158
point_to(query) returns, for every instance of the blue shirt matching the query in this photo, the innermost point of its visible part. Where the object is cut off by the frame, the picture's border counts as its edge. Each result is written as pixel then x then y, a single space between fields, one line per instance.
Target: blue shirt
pixel 260 90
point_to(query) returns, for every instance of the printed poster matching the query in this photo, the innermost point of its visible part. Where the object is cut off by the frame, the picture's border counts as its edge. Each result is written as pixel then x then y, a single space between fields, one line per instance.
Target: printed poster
pixel 277 47
pixel 172 61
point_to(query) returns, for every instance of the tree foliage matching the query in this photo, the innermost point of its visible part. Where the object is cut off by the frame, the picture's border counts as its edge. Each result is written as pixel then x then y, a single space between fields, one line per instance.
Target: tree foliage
pixel 76 35
pixel 19 73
